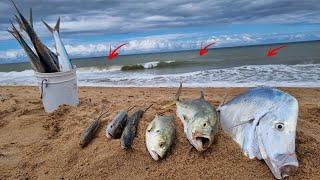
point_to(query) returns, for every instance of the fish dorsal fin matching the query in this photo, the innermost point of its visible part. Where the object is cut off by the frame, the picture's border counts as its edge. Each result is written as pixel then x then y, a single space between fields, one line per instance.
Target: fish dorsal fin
pixel 201 95
pixel 31 18
pixel 57 27
pixel 178 92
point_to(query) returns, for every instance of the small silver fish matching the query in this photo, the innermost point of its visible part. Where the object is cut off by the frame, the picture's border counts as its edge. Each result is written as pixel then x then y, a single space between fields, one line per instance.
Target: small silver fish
pixel 115 127
pixel 263 122
pixel 90 131
pixel 199 119
pixel 129 132
pixel 63 58
pixel 160 134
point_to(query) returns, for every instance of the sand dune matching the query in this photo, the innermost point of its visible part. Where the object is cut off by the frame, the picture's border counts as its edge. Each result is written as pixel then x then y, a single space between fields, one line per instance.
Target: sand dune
pixel 37 145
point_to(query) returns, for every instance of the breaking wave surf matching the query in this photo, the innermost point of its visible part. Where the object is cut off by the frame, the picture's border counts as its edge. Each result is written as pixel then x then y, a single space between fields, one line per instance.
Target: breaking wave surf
pixel 301 75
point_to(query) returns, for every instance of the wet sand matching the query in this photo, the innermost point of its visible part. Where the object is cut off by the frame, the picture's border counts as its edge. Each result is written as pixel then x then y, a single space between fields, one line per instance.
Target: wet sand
pixel 36 145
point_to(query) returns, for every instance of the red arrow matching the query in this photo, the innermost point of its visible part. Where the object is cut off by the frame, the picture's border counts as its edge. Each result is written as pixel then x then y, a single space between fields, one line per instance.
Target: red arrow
pixel 204 50
pixel 114 53
pixel 273 52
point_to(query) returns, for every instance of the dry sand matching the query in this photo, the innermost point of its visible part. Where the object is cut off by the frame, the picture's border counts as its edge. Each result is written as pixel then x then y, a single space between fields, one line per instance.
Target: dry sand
pixel 36 145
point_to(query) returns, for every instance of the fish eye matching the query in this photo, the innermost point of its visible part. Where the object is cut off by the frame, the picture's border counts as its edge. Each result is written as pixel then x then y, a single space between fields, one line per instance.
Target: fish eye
pixel 161 145
pixel 204 124
pixel 279 126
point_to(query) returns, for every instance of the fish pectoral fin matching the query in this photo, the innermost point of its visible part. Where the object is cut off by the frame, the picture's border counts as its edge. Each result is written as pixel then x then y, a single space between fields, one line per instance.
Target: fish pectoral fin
pixel 256 119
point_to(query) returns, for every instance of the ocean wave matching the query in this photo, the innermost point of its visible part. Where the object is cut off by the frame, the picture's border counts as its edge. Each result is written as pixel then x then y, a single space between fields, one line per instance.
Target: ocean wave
pixel 301 75
pixel 148 65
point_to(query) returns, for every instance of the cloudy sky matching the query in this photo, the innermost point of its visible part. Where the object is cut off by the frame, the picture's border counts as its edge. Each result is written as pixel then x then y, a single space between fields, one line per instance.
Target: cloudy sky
pixel 88 28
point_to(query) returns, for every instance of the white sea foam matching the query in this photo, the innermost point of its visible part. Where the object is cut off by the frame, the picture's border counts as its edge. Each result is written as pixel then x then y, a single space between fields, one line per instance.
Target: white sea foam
pixel 244 76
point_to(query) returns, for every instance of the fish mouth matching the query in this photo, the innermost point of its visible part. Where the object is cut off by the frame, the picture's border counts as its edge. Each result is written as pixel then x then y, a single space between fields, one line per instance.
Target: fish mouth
pixel 202 143
pixel 109 136
pixel 155 155
pixel 282 165
pixel 281 170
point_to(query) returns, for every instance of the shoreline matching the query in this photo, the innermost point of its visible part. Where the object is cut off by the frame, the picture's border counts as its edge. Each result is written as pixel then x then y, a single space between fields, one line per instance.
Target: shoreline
pixel 34 144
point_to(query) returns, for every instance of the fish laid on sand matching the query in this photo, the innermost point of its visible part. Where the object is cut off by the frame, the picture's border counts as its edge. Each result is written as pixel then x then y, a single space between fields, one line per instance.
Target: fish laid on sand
pixel 263 122
pixel 63 58
pixel 199 119
pixel 130 130
pixel 90 131
pixel 115 127
pixel 44 54
pixel 160 134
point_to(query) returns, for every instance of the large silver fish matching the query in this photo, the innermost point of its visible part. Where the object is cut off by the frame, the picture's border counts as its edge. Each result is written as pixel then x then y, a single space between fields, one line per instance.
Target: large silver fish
pixel 263 122
pixel 63 57
pixel 199 119
pixel 160 134
pixel 44 54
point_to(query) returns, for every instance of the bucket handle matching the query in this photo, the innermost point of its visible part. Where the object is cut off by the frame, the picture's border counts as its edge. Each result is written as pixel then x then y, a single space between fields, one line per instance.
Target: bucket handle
pixel 46 83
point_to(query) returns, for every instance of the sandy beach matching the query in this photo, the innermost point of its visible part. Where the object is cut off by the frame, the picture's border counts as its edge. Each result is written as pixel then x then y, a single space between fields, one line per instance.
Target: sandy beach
pixel 36 145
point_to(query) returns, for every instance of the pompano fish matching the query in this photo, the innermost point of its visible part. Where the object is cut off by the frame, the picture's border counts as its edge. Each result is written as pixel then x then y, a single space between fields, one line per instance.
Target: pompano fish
pixel 160 134
pixel 263 122
pixel 199 119
pixel 43 53
pixel 90 131
pixel 36 64
pixel 63 58
pixel 115 127
pixel 130 131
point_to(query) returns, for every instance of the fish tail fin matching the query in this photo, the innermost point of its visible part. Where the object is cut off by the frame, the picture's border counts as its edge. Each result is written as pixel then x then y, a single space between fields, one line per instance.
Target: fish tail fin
pixel 178 92
pixel 22 21
pixel 48 26
pixel 57 27
pixel 201 94
pixel 21 26
pixel 148 108
pixel 31 18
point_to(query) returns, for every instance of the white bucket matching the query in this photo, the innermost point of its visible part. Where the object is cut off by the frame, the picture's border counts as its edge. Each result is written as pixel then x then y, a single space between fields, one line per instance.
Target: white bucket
pixel 57 89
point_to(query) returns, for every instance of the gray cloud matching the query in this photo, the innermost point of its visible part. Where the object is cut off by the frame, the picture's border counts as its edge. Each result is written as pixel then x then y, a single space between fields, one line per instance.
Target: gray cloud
pixel 111 16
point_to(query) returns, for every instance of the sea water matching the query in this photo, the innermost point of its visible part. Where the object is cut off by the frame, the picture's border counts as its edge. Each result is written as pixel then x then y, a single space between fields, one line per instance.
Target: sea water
pixel 297 65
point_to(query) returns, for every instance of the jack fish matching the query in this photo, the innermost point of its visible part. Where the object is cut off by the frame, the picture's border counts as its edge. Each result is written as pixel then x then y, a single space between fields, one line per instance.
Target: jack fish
pixel 63 58
pixel 159 136
pixel 199 119
pixel 263 122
